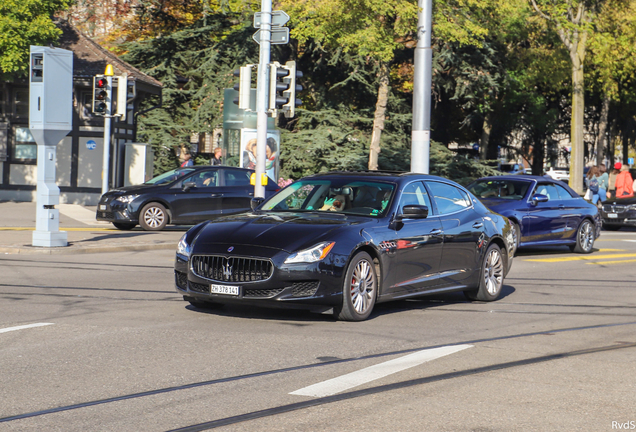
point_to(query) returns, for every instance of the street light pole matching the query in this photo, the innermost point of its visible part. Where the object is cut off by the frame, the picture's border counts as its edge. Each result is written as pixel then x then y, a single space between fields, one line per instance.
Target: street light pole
pixel 262 95
pixel 422 79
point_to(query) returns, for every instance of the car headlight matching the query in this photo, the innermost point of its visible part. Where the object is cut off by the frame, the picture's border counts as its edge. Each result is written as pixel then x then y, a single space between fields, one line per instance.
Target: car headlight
pixel 313 254
pixel 126 198
pixel 631 207
pixel 183 248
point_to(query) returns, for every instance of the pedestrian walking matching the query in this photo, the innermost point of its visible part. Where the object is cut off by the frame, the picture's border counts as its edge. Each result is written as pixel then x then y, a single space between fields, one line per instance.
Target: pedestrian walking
pixel 624 183
pixel 611 184
pixel 217 159
pixel 593 185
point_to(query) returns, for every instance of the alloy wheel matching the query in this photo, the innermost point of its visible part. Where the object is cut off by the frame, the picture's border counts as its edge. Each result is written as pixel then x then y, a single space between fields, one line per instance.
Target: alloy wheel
pixel 154 217
pixel 362 287
pixel 493 272
pixel 586 236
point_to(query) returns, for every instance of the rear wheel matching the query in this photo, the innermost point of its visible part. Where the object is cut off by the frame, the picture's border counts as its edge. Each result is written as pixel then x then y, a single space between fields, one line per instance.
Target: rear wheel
pixel 124 226
pixel 153 217
pixel 359 289
pixel 516 235
pixel 584 238
pixel 492 276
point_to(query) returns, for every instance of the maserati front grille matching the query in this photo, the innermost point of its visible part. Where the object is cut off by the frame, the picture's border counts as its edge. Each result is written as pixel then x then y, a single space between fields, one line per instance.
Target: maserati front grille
pixel 231 269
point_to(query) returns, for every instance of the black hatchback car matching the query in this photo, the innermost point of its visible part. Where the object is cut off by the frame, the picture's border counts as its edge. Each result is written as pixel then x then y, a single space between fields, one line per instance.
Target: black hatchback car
pixel 346 241
pixel 187 195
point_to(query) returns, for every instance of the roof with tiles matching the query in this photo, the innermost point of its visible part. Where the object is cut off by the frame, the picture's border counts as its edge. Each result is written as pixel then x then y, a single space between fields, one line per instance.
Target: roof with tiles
pixel 90 59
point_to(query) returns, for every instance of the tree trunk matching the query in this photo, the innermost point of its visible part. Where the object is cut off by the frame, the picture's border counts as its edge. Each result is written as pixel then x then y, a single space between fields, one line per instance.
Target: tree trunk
pixel 602 131
pixel 485 137
pixel 378 118
pixel 577 161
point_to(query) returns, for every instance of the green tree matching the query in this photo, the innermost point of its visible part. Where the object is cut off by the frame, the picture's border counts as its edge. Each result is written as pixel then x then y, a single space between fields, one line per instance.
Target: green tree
pixel 25 23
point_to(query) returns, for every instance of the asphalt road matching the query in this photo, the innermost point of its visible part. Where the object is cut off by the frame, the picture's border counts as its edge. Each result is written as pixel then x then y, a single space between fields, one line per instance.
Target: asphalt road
pixel 110 346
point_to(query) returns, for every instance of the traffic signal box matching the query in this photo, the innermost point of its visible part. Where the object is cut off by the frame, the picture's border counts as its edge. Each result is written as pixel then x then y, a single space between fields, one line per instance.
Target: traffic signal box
pixel 282 88
pixel 101 96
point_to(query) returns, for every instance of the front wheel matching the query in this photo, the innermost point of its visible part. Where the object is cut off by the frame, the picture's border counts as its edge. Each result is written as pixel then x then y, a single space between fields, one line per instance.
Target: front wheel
pixel 584 238
pixel 359 290
pixel 491 276
pixel 153 217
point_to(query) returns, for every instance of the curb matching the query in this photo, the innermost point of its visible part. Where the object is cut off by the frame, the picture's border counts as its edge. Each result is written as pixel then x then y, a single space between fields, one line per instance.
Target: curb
pixel 70 250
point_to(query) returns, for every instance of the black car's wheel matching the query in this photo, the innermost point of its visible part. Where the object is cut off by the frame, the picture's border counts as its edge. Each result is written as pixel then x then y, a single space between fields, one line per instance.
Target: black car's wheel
pixel 491 276
pixel 359 289
pixel 584 238
pixel 124 226
pixel 153 217
pixel 516 234
pixel 611 227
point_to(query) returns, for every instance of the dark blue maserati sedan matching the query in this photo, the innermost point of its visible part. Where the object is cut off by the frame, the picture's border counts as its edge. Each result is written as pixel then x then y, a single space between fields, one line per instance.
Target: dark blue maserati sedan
pixel 346 241
pixel 543 211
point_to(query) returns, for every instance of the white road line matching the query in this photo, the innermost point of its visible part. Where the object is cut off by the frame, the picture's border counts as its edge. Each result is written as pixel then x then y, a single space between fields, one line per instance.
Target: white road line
pixel 363 376
pixel 22 327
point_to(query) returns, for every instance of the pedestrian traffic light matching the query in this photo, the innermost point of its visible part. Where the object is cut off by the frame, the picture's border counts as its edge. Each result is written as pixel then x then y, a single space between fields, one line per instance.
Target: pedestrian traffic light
pixel 283 87
pixel 244 87
pixel 101 96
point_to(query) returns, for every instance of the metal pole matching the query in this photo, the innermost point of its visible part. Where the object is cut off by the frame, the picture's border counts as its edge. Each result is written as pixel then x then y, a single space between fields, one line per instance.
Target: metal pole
pixel 106 162
pixel 421 131
pixel 262 96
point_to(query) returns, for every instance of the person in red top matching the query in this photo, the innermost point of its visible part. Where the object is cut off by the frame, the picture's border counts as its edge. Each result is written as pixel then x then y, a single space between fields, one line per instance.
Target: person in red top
pixel 624 183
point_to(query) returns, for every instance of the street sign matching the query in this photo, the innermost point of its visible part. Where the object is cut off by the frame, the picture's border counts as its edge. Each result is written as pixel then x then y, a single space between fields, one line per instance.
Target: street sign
pixel 279 36
pixel 279 19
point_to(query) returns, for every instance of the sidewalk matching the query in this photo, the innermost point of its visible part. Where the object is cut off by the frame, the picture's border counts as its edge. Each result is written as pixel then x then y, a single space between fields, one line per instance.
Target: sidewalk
pixel 84 233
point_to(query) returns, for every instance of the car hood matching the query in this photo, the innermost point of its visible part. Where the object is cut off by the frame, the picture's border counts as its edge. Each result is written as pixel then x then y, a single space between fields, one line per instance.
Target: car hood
pixel 286 231
pixel 131 190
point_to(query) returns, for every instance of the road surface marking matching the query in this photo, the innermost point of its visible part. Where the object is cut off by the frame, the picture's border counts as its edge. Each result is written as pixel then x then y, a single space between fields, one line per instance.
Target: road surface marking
pixel 22 327
pixel 372 373
pixel 612 262
pixel 581 258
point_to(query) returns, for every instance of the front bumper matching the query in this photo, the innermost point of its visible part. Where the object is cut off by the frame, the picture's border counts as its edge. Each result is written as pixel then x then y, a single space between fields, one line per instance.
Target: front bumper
pixel 110 210
pixel 307 284
pixel 618 215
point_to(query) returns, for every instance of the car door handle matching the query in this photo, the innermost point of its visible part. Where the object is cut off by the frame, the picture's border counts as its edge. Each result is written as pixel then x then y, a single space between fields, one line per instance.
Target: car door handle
pixel 251 194
pixel 435 232
pixel 216 195
pixel 478 225
pixel 561 206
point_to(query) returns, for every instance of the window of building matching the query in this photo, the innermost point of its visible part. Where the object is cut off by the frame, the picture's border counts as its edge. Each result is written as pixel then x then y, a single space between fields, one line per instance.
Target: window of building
pixel 86 111
pixel 25 148
pixel 21 103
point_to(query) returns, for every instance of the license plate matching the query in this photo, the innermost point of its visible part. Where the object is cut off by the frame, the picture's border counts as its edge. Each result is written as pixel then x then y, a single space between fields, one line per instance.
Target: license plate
pixel 612 215
pixel 102 206
pixel 224 289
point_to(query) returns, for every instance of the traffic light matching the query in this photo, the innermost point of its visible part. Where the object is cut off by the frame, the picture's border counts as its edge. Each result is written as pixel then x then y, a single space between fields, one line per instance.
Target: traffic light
pixel 283 87
pixel 101 96
pixel 244 87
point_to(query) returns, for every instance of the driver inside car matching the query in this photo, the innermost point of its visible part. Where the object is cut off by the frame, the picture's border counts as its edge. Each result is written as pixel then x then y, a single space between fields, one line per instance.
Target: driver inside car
pixel 336 203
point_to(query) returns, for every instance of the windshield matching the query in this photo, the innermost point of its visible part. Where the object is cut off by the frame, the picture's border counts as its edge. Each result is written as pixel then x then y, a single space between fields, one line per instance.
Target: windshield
pixel 332 195
pixel 504 189
pixel 170 176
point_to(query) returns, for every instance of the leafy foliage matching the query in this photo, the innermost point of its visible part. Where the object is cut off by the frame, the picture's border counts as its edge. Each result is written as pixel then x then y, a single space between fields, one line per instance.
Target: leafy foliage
pixel 25 23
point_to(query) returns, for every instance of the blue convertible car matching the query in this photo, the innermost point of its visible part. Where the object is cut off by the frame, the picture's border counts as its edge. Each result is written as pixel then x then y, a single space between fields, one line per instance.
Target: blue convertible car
pixel 543 211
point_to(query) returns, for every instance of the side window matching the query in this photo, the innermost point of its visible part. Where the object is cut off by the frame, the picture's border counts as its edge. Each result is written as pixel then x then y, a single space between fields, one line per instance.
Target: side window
pixel 415 194
pixel 448 198
pixel 203 179
pixel 563 192
pixel 548 190
pixel 236 178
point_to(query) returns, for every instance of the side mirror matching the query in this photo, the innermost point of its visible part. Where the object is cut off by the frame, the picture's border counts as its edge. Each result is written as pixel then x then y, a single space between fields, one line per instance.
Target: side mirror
pixel 413 212
pixel 537 198
pixel 256 202
pixel 189 185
